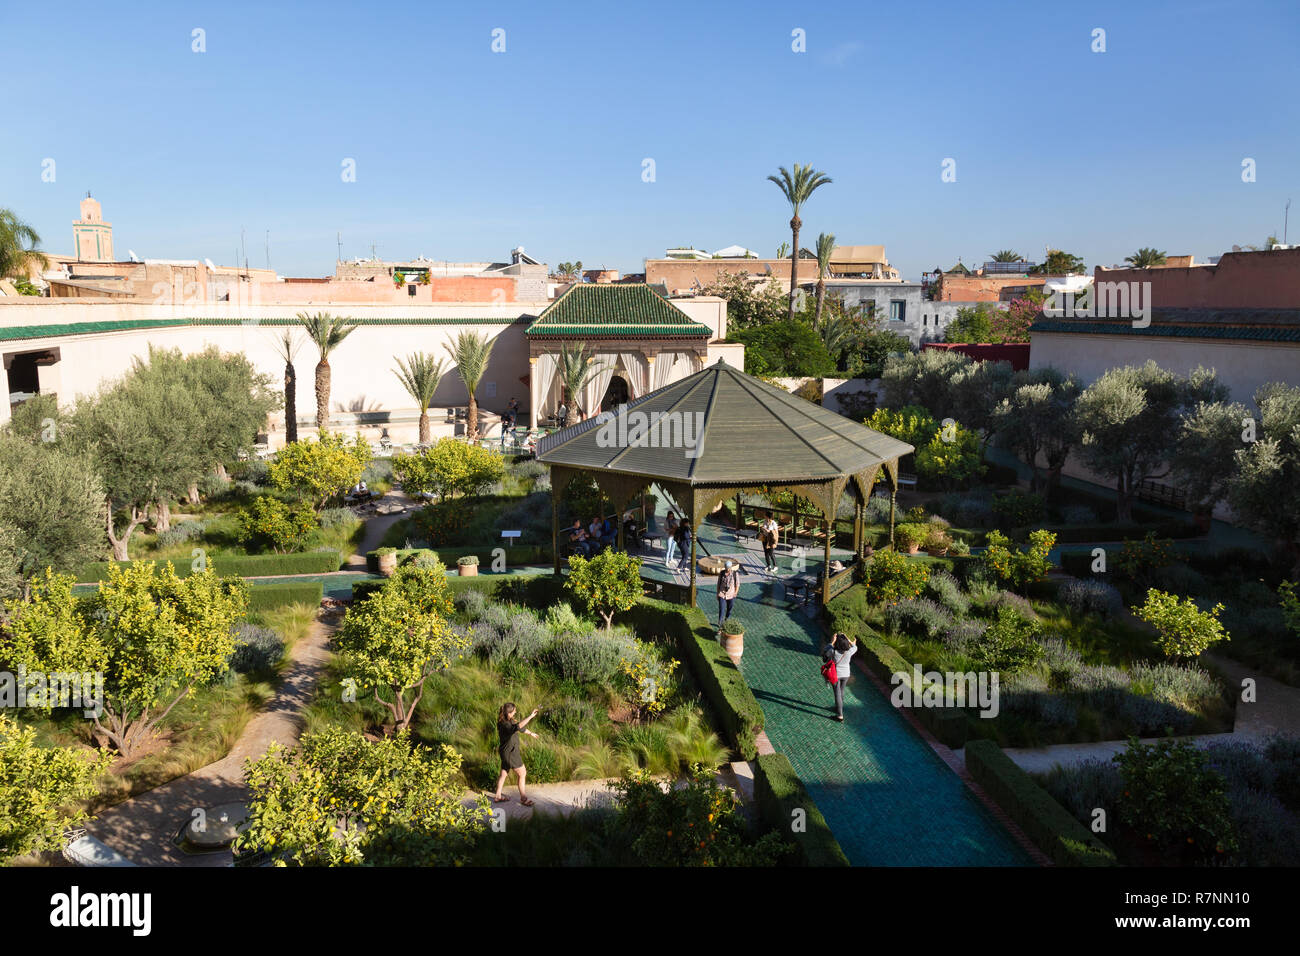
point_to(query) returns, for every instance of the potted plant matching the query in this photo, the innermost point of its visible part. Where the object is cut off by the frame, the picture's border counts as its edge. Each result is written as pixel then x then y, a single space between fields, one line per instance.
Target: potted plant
pixel 937 542
pixel 386 558
pixel 959 548
pixel 910 536
pixel 467 566
pixel 733 637
pixel 399 279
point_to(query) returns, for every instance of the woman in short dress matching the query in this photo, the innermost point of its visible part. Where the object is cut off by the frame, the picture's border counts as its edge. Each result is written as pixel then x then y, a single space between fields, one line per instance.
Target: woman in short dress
pixel 508 730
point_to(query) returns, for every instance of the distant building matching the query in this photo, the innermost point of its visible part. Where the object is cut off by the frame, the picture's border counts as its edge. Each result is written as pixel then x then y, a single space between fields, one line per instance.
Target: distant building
pixel 689 270
pixel 903 307
pixel 864 262
pixel 92 238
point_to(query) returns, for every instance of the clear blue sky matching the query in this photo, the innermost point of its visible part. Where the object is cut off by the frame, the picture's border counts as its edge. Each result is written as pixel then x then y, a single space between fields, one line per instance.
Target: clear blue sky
pixel 462 153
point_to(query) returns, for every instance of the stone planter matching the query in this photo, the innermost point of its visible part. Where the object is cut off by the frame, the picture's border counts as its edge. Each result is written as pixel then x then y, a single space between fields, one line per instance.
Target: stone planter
pixel 936 552
pixel 733 644
pixel 387 564
pixel 912 548
pixel 467 570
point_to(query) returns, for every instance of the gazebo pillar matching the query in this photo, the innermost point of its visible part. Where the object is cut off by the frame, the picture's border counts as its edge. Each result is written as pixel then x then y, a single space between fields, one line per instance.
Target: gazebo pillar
pixel 555 530
pixel 532 393
pixel 893 495
pixel 829 527
pixel 694 534
pixel 857 530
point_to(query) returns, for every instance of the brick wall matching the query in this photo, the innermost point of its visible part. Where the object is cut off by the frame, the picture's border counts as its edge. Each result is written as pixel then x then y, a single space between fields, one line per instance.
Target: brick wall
pixel 1241 280
pixel 959 288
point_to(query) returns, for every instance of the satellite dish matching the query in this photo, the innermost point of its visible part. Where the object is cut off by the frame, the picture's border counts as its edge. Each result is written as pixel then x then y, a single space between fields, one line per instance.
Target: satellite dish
pixel 208 263
pixel 131 253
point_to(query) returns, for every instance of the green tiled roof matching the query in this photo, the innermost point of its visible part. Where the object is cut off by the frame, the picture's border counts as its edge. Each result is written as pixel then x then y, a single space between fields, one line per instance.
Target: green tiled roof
pixel 624 310
pixel 16 332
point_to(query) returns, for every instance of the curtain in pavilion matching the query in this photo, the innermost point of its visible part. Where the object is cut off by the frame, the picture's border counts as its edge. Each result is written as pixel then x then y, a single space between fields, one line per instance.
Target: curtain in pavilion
pixel 636 372
pixel 664 362
pixel 546 370
pixel 598 383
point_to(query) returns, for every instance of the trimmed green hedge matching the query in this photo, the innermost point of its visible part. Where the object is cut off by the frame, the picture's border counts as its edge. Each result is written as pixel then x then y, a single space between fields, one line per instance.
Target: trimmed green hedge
pixel 517 555
pixel 268 597
pixel 729 696
pixel 779 792
pixel 846 614
pixel 239 565
pixel 1054 831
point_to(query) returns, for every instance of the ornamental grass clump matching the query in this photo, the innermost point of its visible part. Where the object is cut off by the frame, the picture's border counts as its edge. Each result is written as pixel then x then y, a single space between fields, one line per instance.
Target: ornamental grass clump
pixel 1085 596
pixel 919 617
pixel 947 591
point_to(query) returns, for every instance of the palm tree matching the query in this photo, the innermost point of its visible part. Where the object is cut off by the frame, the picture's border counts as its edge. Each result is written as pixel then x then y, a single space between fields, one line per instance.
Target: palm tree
pixel 569 270
pixel 825 246
pixel 18 252
pixel 327 331
pixel 1145 258
pixel 287 347
pixel 471 353
pixel 797 187
pixel 783 250
pixel 420 375
pixel 576 368
pixel 1006 255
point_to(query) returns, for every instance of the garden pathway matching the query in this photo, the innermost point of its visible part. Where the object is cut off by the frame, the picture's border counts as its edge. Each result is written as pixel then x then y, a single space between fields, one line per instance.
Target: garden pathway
pixel 887 795
pixel 377 527
pixel 144 827
pixel 1276 709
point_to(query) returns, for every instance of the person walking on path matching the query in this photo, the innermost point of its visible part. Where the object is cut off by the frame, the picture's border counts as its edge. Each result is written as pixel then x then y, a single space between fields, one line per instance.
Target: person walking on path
pixel 728 588
pixel 767 536
pixel 841 650
pixel 508 730
pixel 670 538
pixel 683 542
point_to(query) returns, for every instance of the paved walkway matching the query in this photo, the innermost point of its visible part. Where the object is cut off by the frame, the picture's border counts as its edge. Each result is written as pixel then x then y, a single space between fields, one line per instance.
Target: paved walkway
pixel 888 797
pixel 1276 709
pixel 378 526
pixel 143 828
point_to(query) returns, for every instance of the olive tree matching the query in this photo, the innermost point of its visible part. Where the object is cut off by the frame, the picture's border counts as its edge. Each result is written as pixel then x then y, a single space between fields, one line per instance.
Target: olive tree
pixel 1130 420
pixel 1037 422
pixel 1263 490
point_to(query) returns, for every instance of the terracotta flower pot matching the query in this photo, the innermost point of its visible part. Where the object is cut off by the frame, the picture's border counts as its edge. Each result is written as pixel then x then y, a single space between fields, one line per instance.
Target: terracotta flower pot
pixel 467 570
pixel 913 548
pixel 387 564
pixel 733 644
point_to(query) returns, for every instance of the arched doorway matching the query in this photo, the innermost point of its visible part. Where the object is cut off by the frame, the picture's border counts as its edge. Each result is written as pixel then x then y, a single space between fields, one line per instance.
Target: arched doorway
pixel 616 394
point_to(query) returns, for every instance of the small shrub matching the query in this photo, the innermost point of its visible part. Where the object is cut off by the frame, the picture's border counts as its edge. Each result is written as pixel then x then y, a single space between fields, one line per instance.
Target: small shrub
pixel 960 636
pixel 212 486
pixel 1178 578
pixel 592 658
pixel 1019 568
pixel 179 533
pixel 1078 514
pixel 891 577
pixel 1283 753
pixel 919 617
pixel 948 592
pixel 337 517
pixel 911 535
pixel 1267 833
pixel 1173 798
pixel 257 649
pixel 1184 630
pixel 1018 508
pixel 1084 786
pixel 1089 596
pixel 472 603
pixel 1008 643
pixel 562 619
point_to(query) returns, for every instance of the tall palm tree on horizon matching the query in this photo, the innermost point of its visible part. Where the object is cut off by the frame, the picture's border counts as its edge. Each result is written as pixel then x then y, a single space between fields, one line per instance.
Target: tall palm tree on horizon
pixel 797 187
pixel 825 246
pixel 286 346
pixel 1145 258
pixel 471 353
pixel 18 242
pixel 327 332
pixel 420 374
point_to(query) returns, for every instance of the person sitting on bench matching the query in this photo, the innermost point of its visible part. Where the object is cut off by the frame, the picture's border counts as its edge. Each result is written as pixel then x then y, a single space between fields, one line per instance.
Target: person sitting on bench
pixel 578 538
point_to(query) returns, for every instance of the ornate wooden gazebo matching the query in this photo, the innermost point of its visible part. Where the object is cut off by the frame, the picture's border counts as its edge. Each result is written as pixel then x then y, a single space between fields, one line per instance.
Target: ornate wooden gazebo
pixel 716 434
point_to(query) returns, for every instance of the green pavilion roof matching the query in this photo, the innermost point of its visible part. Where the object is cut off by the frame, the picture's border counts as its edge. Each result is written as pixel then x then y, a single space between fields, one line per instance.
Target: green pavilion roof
pixel 634 310
pixel 749 433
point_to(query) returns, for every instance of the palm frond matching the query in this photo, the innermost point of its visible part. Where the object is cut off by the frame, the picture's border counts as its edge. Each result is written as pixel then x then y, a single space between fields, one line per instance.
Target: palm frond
pixel 327 331
pixel 471 353
pixel 420 374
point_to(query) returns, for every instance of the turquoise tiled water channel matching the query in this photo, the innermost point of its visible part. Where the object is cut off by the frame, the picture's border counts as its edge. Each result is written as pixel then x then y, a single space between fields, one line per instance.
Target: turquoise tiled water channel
pixel 888 798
